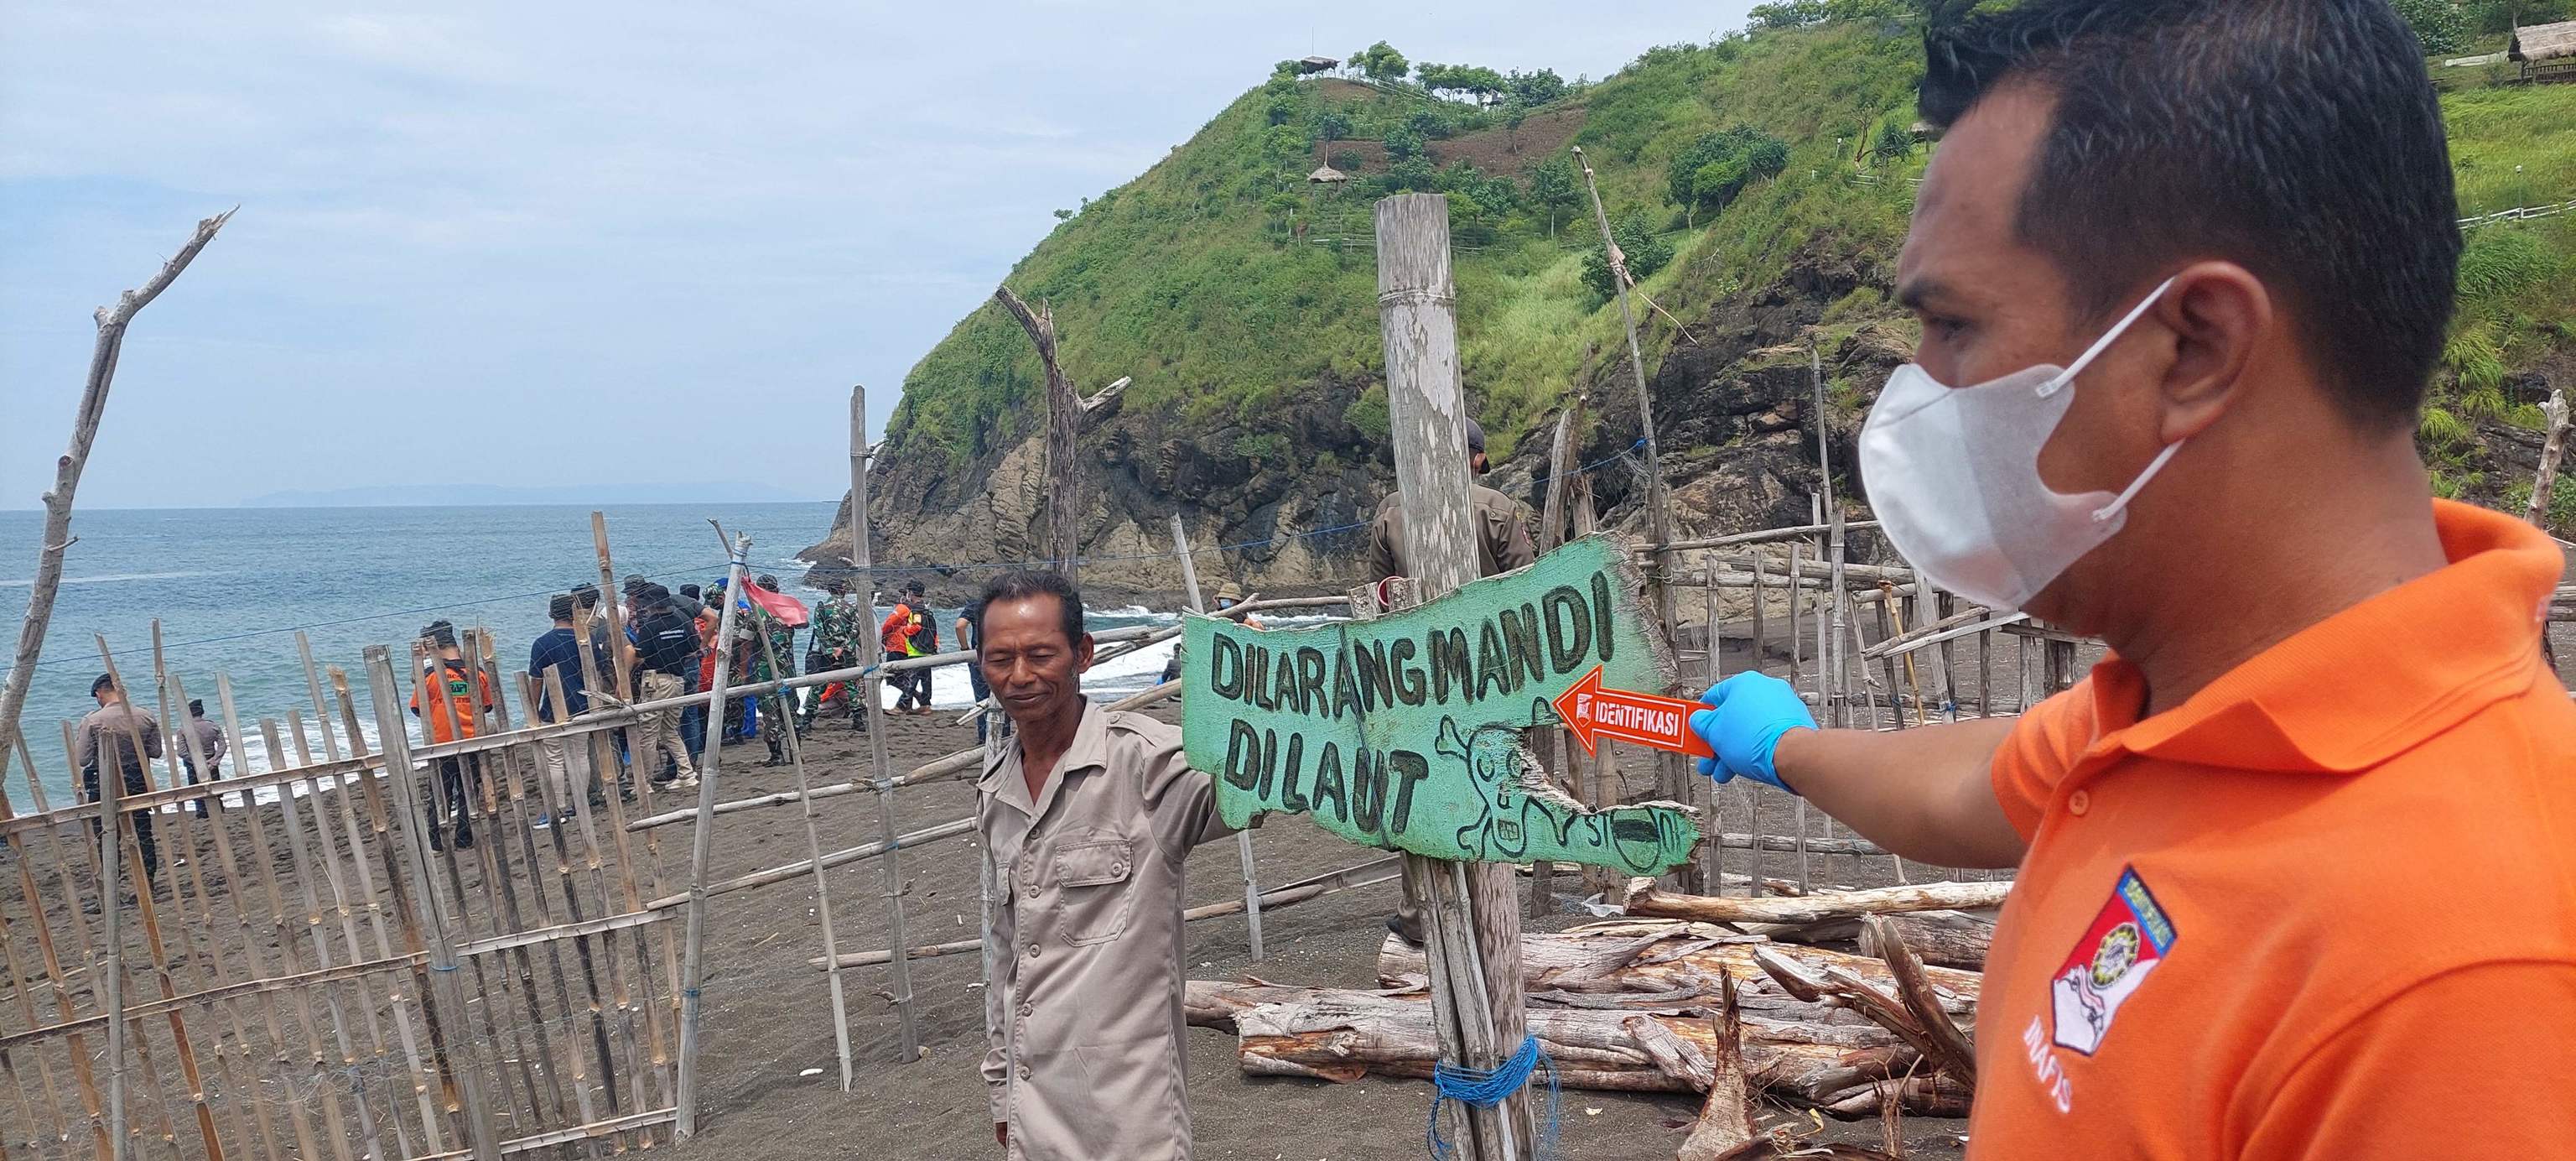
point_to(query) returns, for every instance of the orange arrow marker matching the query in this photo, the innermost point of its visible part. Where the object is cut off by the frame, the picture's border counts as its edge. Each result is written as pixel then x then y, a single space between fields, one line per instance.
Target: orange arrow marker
pixel 1624 715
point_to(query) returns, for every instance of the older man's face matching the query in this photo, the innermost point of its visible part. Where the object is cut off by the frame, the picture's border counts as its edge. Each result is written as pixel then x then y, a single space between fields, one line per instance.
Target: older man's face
pixel 1033 668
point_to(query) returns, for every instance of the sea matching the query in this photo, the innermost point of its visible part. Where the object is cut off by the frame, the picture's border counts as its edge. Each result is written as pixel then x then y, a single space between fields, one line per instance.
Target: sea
pixel 228 588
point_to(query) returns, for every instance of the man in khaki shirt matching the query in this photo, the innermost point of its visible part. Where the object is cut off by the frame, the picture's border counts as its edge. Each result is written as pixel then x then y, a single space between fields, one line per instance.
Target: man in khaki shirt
pixel 105 740
pixel 1087 818
pixel 1502 525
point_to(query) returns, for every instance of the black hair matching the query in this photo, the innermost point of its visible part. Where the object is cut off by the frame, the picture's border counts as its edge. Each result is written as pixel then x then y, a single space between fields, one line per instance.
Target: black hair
pixel 652 596
pixel 2300 139
pixel 560 608
pixel 767 581
pixel 913 587
pixel 439 633
pixel 585 595
pixel 690 590
pixel 196 707
pixel 1012 586
pixel 104 682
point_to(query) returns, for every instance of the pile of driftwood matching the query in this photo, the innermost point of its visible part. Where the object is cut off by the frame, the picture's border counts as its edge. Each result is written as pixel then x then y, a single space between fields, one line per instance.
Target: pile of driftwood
pixel 1737 998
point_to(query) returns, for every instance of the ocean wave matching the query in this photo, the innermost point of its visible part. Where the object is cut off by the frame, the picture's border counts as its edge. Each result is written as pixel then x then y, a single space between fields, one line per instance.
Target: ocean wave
pixel 109 578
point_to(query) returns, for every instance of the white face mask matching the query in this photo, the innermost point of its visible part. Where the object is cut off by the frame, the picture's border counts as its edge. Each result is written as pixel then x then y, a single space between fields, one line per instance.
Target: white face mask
pixel 1953 475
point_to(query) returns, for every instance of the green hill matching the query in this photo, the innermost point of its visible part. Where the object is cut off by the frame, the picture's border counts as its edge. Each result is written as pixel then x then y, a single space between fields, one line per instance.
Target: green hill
pixel 1241 298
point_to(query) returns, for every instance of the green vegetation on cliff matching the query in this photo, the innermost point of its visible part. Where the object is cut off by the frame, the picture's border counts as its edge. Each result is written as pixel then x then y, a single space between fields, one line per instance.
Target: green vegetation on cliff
pixel 1238 293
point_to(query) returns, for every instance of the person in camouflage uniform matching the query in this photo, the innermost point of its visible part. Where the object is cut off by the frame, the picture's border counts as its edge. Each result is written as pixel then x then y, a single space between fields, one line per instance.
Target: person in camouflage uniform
pixel 834 644
pixel 782 645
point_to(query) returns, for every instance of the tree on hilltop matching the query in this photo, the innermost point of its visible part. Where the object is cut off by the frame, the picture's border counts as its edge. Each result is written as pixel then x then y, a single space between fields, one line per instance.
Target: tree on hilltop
pixel 1381 63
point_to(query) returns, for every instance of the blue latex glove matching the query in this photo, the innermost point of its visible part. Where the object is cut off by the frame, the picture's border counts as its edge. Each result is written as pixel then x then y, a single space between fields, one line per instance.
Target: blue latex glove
pixel 1747 714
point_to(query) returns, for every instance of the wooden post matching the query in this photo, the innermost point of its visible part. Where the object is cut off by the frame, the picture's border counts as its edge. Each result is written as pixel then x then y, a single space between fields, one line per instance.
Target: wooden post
pixel 111 880
pixel 482 1142
pixel 693 967
pixel 1064 421
pixel 1242 838
pixel 872 689
pixel 321 708
pixel 1712 861
pixel 1471 919
pixel 1659 514
pixel 1560 758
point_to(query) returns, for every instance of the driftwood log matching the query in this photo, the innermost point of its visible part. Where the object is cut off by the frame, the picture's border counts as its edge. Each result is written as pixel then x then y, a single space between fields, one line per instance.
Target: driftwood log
pixel 1953 939
pixel 1650 963
pixel 1643 898
pixel 1343 1035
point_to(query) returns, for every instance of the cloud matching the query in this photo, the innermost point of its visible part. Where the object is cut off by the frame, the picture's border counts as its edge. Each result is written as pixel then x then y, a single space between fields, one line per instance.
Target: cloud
pixel 686 226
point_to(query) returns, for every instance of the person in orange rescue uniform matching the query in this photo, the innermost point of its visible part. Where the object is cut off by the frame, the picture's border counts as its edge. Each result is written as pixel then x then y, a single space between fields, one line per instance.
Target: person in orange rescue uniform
pixel 2298 860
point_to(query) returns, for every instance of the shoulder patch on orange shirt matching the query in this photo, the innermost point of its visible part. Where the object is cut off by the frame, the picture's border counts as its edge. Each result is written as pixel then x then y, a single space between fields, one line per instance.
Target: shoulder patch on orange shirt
pixel 2126 941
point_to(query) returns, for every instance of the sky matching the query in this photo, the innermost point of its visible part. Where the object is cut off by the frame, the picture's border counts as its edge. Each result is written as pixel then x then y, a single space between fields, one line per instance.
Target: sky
pixel 543 244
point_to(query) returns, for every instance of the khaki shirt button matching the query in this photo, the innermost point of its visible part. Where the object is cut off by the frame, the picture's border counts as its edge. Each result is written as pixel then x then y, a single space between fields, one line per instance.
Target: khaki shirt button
pixel 1033 951
pixel 1024 1072
pixel 2078 803
pixel 1027 1010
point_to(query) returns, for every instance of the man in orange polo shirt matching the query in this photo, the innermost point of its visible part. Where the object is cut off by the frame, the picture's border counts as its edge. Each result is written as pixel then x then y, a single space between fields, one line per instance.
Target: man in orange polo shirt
pixel 2298 861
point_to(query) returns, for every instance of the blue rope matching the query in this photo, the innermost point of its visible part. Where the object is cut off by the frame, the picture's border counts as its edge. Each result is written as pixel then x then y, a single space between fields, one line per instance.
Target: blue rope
pixel 1485 1089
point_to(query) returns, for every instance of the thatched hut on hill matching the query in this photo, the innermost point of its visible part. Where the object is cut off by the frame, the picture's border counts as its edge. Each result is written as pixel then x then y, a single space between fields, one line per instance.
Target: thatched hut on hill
pixel 1327 175
pixel 2546 52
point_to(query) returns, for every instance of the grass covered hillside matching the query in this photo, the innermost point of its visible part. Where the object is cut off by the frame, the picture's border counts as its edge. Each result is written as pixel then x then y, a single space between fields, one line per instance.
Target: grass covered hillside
pixel 1760 183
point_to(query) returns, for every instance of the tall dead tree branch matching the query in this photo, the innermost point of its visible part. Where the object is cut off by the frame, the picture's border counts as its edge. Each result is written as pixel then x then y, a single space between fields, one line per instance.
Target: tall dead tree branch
pixel 112 321
pixel 1064 421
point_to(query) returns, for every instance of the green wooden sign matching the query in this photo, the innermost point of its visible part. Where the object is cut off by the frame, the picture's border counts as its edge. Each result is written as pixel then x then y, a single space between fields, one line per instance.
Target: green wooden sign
pixel 1405 732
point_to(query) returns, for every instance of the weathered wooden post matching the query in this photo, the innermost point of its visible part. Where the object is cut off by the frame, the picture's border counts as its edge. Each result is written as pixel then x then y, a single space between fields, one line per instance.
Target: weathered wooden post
pixel 482 1141
pixel 693 966
pixel 1472 925
pixel 1242 838
pixel 1554 750
pixel 872 689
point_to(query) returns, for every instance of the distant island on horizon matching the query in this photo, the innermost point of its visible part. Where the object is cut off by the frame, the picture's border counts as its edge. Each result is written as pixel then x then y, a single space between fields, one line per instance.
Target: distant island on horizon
pixel 496 495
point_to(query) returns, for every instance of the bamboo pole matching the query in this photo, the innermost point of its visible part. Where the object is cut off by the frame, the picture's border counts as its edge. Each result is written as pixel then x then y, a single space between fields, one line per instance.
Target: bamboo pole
pixel 1659 511
pixel 475 805
pixel 251 943
pixel 291 821
pixel 570 815
pixel 505 778
pixel 839 858
pixel 431 1135
pixel 822 881
pixel 111 784
pixel 1790 535
pixel 643 786
pixel 702 848
pixel 1472 917
pixel 152 941
pixel 1712 859
pixel 481 1139
pixel 57 538
pixel 321 708
pixel 48 1117
pixel 1242 838
pixel 212 966
pixel 83 1077
pixel 326 851
pixel 871 688
pixel 197 940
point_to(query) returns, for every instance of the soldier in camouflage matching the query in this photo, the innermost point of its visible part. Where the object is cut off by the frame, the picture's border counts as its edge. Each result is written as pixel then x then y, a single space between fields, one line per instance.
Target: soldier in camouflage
pixel 834 644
